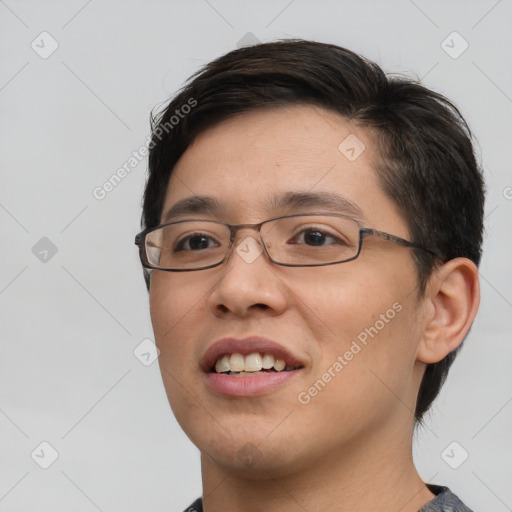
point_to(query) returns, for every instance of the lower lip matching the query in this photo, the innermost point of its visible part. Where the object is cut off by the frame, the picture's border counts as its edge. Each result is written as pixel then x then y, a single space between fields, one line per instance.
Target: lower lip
pixel 248 386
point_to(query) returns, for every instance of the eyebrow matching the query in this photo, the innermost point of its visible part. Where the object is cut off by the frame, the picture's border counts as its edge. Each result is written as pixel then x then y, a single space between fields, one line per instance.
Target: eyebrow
pixel 193 204
pixel 290 202
pixel 326 201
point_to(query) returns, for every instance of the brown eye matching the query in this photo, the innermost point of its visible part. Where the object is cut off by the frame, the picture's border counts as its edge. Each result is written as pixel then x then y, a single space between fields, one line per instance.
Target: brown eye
pixel 315 237
pixel 196 242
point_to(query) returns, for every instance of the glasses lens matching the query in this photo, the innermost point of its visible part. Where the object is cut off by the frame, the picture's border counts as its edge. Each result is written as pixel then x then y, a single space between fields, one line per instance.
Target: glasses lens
pixel 187 245
pixel 311 239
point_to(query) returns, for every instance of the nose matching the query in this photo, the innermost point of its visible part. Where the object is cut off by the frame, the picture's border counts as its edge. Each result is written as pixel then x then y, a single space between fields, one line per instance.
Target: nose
pixel 249 283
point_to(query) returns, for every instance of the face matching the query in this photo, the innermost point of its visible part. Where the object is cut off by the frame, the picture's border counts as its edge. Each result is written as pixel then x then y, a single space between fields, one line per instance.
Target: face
pixel 351 329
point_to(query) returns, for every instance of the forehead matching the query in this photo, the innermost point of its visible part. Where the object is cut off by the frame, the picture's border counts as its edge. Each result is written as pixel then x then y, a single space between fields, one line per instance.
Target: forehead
pixel 266 162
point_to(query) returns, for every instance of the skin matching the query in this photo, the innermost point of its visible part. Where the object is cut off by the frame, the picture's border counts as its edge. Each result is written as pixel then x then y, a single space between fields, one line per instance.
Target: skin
pixel 349 448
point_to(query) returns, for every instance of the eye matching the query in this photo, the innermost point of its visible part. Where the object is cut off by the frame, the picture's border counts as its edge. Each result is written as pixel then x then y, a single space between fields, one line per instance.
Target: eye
pixel 195 242
pixel 315 237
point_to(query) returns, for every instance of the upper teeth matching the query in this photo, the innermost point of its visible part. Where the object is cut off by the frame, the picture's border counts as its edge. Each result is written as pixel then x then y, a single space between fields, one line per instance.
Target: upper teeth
pixel 250 363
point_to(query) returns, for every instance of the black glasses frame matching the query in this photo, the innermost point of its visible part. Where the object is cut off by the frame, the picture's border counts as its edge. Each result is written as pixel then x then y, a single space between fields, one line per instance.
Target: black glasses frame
pixel 364 232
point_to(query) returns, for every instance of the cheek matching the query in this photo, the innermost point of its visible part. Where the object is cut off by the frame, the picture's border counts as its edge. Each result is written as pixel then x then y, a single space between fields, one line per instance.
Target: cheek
pixel 173 301
pixel 368 341
pixel 174 307
pixel 348 303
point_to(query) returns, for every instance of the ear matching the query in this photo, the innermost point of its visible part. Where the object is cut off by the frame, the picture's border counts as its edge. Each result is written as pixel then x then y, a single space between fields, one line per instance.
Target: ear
pixel 451 300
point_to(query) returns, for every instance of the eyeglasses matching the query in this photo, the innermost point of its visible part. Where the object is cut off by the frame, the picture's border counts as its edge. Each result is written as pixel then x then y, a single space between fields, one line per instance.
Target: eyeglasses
pixel 300 240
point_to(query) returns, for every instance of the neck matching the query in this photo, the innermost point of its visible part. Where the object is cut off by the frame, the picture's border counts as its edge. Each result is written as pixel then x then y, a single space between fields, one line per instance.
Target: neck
pixel 378 474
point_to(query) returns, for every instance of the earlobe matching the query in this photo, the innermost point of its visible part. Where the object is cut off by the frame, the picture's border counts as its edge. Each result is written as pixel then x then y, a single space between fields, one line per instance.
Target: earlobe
pixel 453 297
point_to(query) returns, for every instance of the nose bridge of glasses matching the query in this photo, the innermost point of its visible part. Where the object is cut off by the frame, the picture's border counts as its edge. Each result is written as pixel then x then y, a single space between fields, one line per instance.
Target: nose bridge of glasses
pixel 248 250
pixel 236 228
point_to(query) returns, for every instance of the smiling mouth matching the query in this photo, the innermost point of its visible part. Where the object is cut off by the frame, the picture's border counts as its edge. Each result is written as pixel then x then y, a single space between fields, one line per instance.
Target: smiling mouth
pixel 256 363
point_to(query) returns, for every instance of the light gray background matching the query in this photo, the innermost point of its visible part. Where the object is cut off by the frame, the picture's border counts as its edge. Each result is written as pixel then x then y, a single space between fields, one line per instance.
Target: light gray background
pixel 69 326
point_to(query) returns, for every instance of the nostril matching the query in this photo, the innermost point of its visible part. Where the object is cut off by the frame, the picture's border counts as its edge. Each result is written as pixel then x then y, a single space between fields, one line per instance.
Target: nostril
pixel 224 309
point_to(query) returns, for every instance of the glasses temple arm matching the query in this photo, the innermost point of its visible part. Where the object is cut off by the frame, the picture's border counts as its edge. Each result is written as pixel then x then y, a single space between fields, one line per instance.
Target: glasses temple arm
pixel 396 240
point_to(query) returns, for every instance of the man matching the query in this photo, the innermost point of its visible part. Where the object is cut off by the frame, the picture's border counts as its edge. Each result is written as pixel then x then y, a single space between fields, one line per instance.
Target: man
pixel 312 235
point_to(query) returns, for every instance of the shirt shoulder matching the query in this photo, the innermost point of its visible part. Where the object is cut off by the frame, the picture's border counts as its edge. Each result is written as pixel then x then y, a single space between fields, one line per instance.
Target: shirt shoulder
pixel 197 506
pixel 445 501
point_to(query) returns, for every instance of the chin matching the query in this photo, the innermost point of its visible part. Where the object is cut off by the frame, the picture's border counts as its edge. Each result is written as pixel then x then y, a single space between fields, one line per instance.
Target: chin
pixel 252 461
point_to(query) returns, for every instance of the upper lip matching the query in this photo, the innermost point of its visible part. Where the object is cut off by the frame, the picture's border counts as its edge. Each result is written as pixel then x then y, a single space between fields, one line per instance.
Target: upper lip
pixel 246 346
